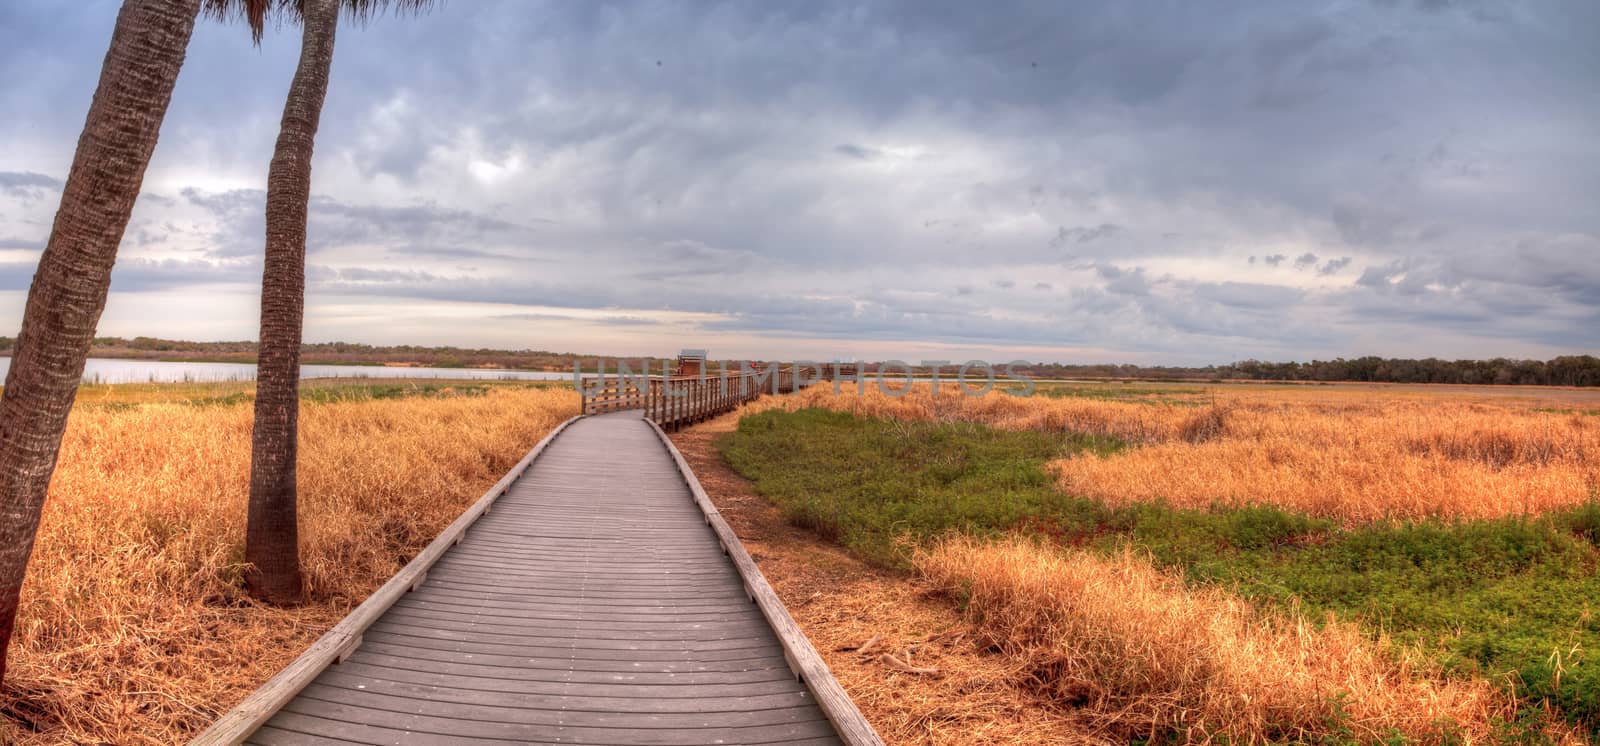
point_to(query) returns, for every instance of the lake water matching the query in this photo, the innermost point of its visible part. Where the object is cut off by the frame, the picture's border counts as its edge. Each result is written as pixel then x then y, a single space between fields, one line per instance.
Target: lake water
pixel 103 370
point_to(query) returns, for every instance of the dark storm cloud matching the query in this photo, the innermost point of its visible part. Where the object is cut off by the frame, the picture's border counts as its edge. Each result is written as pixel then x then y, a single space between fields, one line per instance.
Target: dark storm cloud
pixel 1084 234
pixel 1334 265
pixel 240 219
pixel 27 186
pixel 136 274
pixel 140 275
pixel 1419 163
pixel 411 219
pixel 612 321
pixel 334 223
pixel 16 275
pixel 21 243
pixel 856 151
pixel 452 251
pixel 691 259
pixel 1124 281
pixel 1396 277
pixel 626 321
pixel 334 275
pixel 239 216
pixel 10 180
pixel 1248 294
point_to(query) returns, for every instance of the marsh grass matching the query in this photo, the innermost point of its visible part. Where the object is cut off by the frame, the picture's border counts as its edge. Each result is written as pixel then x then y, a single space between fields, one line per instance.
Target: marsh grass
pixel 1349 455
pixel 1141 655
pixel 1506 599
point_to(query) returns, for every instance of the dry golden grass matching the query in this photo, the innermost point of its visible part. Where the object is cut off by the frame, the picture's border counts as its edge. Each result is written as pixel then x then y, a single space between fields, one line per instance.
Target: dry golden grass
pixel 133 627
pixel 1134 652
pixel 1347 453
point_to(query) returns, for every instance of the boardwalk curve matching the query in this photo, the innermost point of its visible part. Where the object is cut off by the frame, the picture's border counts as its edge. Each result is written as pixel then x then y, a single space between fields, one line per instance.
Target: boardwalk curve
pixel 600 600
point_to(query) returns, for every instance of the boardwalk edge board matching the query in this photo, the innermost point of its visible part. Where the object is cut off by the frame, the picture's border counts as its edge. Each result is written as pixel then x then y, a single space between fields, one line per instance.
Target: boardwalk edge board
pixel 803 659
pixel 338 643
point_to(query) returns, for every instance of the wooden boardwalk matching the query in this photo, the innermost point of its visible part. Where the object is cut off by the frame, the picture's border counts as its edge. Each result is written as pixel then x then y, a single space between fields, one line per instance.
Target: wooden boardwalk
pixel 593 604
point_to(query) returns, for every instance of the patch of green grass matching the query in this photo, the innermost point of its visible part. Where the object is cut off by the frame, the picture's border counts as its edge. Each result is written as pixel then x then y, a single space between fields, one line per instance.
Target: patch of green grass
pixel 368 391
pixel 849 478
pixel 1123 392
pixel 1558 410
pixel 109 406
pixel 1511 599
pixel 225 400
pixel 1113 391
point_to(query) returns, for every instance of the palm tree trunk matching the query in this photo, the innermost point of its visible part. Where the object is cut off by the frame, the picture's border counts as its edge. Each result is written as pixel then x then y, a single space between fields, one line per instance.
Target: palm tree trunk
pixel 272 537
pixel 69 290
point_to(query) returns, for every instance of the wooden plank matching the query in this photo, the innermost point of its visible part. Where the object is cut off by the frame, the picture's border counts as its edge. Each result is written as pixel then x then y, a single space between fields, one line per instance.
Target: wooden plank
pixel 556 700
pixel 489 707
pixel 588 615
pixel 236 724
pixel 557 617
pixel 694 579
pixel 651 630
pixel 598 595
pixel 574 642
pixel 661 658
pixel 577 637
pixel 310 728
pixel 269 736
pixel 513 598
pixel 435 725
pixel 459 675
pixel 513 666
pixel 852 726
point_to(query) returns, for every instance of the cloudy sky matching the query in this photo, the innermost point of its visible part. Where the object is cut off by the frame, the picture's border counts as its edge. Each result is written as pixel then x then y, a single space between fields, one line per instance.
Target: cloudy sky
pixel 1148 182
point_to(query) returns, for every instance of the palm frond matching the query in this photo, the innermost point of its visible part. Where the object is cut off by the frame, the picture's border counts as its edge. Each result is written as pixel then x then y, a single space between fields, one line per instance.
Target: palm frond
pixel 362 11
pixel 255 13
pixel 252 12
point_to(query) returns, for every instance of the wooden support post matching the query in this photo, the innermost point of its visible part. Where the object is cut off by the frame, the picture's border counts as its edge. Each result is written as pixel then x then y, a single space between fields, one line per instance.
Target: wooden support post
pixel 347 650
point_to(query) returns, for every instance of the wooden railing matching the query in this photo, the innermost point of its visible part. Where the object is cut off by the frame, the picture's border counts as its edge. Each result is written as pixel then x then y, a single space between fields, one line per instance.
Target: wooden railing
pixel 612 394
pixel 675 401
pixel 682 400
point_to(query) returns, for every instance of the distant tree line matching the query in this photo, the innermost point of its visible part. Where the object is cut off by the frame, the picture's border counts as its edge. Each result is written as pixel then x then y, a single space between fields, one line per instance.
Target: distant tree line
pixel 1570 370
